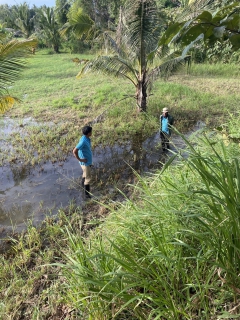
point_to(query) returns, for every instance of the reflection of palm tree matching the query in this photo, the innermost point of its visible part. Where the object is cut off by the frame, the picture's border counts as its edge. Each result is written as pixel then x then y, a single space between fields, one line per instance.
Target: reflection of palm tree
pixel 18 174
pixel 137 148
pixel 12 62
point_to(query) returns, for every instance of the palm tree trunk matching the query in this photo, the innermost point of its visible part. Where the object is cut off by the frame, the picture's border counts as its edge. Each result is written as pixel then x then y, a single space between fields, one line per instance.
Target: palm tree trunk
pixel 56 48
pixel 141 95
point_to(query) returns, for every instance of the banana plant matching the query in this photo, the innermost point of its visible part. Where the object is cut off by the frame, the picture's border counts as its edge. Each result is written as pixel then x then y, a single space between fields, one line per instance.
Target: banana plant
pixel 211 24
pixel 136 54
pixel 12 62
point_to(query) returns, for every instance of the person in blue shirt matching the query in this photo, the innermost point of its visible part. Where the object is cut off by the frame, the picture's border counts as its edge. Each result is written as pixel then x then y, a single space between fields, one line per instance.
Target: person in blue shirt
pixel 83 153
pixel 166 121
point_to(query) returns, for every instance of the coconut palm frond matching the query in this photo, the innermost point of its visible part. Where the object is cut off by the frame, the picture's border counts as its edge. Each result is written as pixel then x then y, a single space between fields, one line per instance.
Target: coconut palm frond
pixel 110 65
pixel 142 26
pixel 159 53
pixel 79 22
pixel 168 67
pixel 113 45
pixel 6 102
pixel 12 60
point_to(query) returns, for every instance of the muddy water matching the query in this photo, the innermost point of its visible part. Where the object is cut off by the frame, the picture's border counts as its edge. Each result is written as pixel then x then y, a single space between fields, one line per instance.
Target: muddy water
pixel 32 193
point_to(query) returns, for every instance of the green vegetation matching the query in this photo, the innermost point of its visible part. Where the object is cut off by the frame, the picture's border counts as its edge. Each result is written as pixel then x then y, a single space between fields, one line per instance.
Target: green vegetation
pixel 62 104
pixel 170 251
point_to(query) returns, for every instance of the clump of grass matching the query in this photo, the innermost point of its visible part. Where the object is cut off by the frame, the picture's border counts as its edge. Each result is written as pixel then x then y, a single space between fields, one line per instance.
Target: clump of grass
pixel 170 252
pixel 31 287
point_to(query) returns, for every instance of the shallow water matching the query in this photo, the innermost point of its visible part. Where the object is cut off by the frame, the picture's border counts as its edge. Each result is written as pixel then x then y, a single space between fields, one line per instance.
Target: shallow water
pixel 31 193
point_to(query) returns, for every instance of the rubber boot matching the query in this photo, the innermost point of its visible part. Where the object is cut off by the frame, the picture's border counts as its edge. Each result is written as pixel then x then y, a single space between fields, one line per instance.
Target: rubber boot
pixel 87 191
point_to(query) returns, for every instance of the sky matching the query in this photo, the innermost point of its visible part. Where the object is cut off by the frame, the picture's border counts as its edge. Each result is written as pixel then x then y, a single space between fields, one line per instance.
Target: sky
pixel 38 3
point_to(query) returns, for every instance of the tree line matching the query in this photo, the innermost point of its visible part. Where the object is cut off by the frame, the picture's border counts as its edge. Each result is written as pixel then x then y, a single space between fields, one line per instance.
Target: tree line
pixel 45 23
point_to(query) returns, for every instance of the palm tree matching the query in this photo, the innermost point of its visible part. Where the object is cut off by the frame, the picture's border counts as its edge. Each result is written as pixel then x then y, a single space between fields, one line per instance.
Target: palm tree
pixel 12 62
pixel 84 28
pixel 79 23
pixel 136 55
pixel 25 19
pixel 50 28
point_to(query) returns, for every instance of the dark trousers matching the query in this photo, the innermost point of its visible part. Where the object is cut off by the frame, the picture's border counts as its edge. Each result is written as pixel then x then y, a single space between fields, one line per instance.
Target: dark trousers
pixel 165 140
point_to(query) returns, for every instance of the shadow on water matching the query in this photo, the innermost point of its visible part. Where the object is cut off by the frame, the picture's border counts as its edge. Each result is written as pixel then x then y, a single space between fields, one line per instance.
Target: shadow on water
pixel 32 193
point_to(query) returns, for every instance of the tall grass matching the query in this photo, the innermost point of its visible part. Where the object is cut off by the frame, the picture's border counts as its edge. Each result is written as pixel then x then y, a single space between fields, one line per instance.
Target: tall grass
pixel 216 70
pixel 172 252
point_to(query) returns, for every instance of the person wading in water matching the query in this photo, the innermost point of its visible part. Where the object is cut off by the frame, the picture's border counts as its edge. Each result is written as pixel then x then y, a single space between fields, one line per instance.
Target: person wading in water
pixel 166 121
pixel 83 153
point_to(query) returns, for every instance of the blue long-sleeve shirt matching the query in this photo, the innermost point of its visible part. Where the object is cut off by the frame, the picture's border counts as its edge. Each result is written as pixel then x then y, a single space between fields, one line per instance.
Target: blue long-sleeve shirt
pixel 85 150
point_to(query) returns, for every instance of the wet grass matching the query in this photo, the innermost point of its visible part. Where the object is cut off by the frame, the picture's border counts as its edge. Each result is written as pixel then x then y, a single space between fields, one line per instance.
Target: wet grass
pixel 51 93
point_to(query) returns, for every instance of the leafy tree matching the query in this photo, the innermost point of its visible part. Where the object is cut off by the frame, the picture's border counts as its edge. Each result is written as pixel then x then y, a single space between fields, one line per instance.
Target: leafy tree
pixel 136 54
pixel 50 28
pixel 12 62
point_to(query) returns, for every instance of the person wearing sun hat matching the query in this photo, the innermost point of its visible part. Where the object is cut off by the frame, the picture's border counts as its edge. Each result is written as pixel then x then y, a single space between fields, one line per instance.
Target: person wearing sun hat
pixel 166 121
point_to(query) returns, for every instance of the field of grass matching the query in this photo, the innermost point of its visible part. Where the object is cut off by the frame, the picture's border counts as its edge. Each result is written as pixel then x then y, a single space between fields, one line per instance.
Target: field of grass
pixel 170 250
pixel 51 93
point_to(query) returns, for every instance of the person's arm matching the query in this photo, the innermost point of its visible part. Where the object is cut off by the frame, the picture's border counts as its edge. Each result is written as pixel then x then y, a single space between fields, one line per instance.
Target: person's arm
pixel 160 123
pixel 75 153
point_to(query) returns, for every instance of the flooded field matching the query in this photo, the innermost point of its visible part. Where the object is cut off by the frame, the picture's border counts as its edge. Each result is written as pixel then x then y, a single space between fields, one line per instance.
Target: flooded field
pixel 33 192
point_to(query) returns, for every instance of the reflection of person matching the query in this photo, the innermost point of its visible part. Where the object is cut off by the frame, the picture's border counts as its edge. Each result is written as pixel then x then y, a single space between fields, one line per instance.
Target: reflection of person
pixel 83 153
pixel 166 121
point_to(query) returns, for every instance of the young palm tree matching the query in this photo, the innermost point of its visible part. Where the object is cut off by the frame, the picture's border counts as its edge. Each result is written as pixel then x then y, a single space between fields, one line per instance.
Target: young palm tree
pixel 50 28
pixel 136 52
pixel 12 62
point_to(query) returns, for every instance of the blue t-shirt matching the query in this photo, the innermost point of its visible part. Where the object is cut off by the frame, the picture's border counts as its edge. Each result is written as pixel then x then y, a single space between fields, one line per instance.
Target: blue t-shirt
pixel 165 125
pixel 84 150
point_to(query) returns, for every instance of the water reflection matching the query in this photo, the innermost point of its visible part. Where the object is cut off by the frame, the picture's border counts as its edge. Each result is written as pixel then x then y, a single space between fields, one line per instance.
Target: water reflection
pixel 27 192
